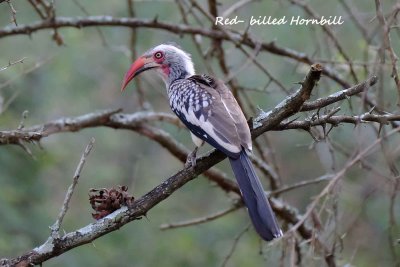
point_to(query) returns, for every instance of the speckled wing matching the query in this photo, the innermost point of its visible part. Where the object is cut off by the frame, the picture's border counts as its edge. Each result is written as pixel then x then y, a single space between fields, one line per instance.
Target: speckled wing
pixel 208 108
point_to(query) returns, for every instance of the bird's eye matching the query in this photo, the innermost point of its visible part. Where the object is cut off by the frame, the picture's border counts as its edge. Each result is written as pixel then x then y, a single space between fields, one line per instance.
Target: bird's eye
pixel 158 55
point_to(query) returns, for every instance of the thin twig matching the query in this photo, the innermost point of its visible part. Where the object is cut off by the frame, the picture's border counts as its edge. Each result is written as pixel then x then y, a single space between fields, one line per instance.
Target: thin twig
pixel 392 219
pixel 29 70
pixel 284 189
pixel 235 242
pixel 55 228
pixel 388 45
pixel 359 24
pixel 236 6
pixel 201 220
pixel 266 170
pixel 23 118
pixel 98 29
pixel 12 63
pixel 13 12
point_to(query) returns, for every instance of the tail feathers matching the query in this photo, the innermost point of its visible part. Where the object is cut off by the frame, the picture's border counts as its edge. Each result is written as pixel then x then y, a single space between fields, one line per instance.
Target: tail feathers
pixel 259 209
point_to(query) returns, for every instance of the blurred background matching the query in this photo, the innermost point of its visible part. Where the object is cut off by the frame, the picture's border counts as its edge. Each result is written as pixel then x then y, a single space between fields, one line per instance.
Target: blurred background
pixel 84 74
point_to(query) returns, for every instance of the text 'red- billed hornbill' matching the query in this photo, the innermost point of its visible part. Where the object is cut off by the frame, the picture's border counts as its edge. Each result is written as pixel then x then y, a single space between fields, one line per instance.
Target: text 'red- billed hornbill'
pixel 209 110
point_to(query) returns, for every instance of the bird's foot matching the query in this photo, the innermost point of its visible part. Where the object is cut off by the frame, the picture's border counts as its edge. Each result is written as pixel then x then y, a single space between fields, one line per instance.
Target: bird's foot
pixel 191 159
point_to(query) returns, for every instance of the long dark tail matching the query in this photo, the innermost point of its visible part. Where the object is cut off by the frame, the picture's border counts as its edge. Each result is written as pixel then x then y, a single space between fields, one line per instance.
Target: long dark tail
pixel 260 211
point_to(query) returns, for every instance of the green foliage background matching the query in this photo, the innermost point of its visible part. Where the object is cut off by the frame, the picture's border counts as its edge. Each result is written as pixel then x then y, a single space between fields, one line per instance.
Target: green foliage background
pixel 85 75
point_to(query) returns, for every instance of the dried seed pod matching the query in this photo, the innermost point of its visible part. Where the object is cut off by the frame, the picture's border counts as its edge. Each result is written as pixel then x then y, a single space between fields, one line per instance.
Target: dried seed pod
pixel 105 201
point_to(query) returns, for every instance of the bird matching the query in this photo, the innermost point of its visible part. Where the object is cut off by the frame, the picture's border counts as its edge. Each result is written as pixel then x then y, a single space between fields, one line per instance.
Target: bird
pixel 209 110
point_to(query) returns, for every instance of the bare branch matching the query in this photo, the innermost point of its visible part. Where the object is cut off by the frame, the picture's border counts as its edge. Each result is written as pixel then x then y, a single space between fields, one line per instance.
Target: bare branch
pixel 96 119
pixel 36 133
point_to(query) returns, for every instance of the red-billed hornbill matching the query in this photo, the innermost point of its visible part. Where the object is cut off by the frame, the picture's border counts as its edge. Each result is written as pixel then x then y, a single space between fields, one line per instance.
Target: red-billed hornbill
pixel 207 107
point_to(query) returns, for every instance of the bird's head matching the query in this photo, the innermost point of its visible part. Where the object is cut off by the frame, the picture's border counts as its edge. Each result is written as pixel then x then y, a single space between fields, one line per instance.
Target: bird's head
pixel 169 61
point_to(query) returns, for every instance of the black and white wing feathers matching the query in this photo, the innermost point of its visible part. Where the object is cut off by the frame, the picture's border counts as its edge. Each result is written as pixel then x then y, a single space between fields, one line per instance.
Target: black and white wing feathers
pixel 208 108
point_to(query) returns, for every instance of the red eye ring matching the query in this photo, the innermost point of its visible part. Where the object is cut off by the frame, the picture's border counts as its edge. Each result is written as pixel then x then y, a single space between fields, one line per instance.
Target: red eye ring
pixel 158 55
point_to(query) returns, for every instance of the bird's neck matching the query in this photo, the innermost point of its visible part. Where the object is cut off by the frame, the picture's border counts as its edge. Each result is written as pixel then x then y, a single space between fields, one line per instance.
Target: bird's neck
pixel 177 74
pixel 180 70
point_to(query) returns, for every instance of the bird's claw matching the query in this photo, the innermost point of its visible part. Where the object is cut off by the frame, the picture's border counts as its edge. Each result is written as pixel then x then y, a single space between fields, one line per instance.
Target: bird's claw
pixel 191 159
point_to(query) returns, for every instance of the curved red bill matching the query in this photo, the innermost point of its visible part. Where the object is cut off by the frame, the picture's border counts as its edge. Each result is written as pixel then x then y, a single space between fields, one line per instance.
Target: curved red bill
pixel 134 70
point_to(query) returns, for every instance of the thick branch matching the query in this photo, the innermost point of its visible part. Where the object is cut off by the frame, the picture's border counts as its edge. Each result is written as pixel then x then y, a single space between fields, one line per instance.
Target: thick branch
pixel 73 124
pixel 290 105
